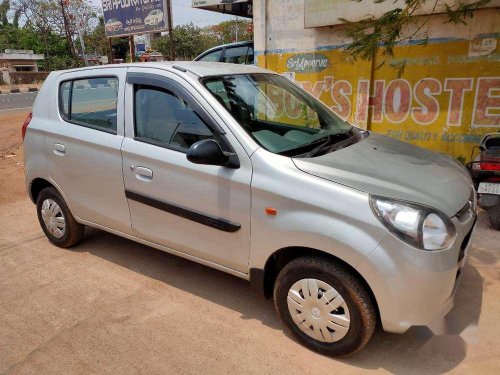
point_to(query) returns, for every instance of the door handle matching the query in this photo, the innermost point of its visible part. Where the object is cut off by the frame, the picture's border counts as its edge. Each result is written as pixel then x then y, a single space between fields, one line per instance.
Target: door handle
pixel 59 149
pixel 144 174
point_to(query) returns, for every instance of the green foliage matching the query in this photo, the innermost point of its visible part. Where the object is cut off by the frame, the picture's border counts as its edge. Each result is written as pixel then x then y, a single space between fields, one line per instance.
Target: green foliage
pixel 462 159
pixel 51 45
pixel 189 41
pixel 379 35
pixel 96 41
pixel 232 31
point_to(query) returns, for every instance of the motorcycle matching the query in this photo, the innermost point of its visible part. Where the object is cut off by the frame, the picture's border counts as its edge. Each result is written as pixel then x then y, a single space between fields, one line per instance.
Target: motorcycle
pixel 485 172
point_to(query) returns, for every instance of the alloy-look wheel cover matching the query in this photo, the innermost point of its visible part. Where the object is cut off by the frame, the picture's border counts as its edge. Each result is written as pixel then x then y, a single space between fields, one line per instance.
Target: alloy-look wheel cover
pixel 53 218
pixel 318 310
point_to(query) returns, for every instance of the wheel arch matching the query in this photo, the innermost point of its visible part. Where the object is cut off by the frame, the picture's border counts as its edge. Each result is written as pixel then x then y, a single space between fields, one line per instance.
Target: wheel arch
pixel 262 280
pixel 37 185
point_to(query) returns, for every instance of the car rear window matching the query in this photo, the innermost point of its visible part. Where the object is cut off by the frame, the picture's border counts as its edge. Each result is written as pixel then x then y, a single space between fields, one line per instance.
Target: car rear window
pixel 236 55
pixel 90 102
pixel 212 56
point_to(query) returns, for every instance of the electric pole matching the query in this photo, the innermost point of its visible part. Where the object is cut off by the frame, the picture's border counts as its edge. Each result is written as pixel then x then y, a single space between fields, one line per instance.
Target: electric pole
pixel 66 29
pixel 170 30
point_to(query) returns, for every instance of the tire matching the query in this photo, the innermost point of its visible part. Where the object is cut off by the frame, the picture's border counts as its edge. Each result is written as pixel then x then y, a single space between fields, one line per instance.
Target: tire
pixel 494 216
pixel 72 233
pixel 356 306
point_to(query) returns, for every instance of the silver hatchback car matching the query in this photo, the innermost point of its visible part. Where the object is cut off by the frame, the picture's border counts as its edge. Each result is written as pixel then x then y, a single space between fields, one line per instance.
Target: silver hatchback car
pixel 237 168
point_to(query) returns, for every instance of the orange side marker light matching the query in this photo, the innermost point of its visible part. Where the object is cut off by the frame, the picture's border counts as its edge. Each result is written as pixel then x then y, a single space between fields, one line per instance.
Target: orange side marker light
pixel 271 211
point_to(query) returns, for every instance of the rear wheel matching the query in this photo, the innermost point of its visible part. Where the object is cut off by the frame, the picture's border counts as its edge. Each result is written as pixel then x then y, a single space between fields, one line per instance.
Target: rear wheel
pixel 494 216
pixel 324 306
pixel 56 220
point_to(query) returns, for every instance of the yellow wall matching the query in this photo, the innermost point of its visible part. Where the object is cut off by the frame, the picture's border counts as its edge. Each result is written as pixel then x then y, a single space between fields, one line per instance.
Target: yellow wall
pixel 446 99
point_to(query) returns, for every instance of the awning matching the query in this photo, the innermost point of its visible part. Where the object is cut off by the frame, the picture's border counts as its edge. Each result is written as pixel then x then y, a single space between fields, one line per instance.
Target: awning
pixel 242 8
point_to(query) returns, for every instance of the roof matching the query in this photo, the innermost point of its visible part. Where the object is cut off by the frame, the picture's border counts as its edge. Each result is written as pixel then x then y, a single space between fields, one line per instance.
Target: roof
pixel 200 68
pixel 21 55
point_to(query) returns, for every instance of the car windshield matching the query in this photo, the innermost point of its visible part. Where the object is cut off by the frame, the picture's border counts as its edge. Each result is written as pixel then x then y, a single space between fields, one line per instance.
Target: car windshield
pixel 279 115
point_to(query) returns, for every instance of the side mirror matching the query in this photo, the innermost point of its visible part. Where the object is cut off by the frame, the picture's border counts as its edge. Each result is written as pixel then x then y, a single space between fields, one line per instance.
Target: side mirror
pixel 209 152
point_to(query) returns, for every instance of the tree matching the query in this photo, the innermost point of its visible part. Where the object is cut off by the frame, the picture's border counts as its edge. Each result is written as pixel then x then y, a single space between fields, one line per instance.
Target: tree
pixel 63 17
pixel 4 8
pixel 232 31
pixel 96 40
pixel 189 42
pixel 379 35
pixel 36 34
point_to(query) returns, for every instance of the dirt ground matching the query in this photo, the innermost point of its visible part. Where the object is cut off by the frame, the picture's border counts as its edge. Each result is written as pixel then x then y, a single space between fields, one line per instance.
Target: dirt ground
pixel 112 306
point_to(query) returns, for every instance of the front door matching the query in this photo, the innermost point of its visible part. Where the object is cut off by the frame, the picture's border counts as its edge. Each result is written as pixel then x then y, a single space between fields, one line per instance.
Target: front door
pixel 200 210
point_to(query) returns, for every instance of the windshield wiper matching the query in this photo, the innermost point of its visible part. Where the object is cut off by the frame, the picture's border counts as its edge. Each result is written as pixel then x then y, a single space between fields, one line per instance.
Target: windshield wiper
pixel 335 142
pixel 317 149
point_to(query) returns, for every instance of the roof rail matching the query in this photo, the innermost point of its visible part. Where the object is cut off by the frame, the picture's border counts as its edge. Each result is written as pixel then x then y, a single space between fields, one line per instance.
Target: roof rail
pixel 184 70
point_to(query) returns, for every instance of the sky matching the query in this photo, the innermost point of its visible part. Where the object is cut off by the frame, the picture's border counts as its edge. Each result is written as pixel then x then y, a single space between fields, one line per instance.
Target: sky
pixel 183 13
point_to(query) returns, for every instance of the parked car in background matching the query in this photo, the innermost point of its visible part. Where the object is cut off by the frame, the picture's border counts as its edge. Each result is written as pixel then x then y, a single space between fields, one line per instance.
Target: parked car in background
pixel 234 53
pixel 237 168
pixel 485 171
pixel 113 25
pixel 154 17
pixel 150 56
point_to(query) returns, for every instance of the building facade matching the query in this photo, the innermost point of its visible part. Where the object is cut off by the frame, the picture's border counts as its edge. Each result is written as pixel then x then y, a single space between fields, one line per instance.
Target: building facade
pixel 20 60
pixel 446 99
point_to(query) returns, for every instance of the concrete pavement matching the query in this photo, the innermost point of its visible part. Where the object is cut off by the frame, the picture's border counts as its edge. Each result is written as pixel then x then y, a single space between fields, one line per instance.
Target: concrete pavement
pixel 9 102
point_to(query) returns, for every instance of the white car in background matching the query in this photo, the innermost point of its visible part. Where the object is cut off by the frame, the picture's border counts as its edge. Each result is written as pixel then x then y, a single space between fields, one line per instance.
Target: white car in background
pixel 113 25
pixel 154 18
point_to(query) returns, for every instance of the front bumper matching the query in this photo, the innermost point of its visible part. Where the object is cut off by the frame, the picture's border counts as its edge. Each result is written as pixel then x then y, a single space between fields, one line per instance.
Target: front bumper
pixel 413 287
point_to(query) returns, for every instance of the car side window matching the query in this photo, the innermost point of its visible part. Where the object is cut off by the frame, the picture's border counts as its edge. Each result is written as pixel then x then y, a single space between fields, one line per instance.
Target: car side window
pixel 212 56
pixel 164 119
pixel 90 102
pixel 250 55
pixel 236 55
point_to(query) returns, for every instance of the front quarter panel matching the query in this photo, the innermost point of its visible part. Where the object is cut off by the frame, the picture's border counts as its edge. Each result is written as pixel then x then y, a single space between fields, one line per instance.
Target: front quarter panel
pixel 312 212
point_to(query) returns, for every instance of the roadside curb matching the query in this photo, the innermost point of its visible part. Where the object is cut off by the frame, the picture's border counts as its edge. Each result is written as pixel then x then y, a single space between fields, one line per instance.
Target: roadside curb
pixel 18 91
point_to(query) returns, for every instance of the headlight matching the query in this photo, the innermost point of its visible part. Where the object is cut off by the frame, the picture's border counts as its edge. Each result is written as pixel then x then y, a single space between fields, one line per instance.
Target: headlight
pixel 417 225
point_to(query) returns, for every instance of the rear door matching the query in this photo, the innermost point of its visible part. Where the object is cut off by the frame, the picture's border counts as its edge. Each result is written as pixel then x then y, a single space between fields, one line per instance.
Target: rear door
pixel 84 137
pixel 199 210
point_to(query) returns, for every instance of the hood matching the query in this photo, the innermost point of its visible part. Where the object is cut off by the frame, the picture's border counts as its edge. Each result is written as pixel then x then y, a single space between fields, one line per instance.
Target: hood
pixel 386 167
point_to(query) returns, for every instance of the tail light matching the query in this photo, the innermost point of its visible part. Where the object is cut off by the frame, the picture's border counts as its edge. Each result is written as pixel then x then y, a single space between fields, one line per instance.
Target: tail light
pixel 490 166
pixel 26 123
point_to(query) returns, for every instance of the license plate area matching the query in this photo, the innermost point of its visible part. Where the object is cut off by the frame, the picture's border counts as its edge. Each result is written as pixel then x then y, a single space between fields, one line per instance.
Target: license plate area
pixel 489 188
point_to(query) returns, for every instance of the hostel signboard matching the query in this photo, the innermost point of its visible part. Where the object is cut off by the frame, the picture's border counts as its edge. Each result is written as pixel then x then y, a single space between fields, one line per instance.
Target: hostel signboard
pixel 447 99
pixel 129 17
pixel 331 12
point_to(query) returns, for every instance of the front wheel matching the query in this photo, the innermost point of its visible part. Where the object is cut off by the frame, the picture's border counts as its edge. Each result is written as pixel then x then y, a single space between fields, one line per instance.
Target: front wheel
pixel 324 306
pixel 494 216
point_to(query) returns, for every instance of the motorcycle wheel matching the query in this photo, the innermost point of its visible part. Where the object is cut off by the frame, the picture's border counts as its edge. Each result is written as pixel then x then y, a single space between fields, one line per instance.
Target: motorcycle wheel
pixel 494 216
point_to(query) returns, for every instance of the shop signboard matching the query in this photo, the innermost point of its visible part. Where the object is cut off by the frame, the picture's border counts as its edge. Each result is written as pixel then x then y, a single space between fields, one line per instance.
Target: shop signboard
pixel 129 17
